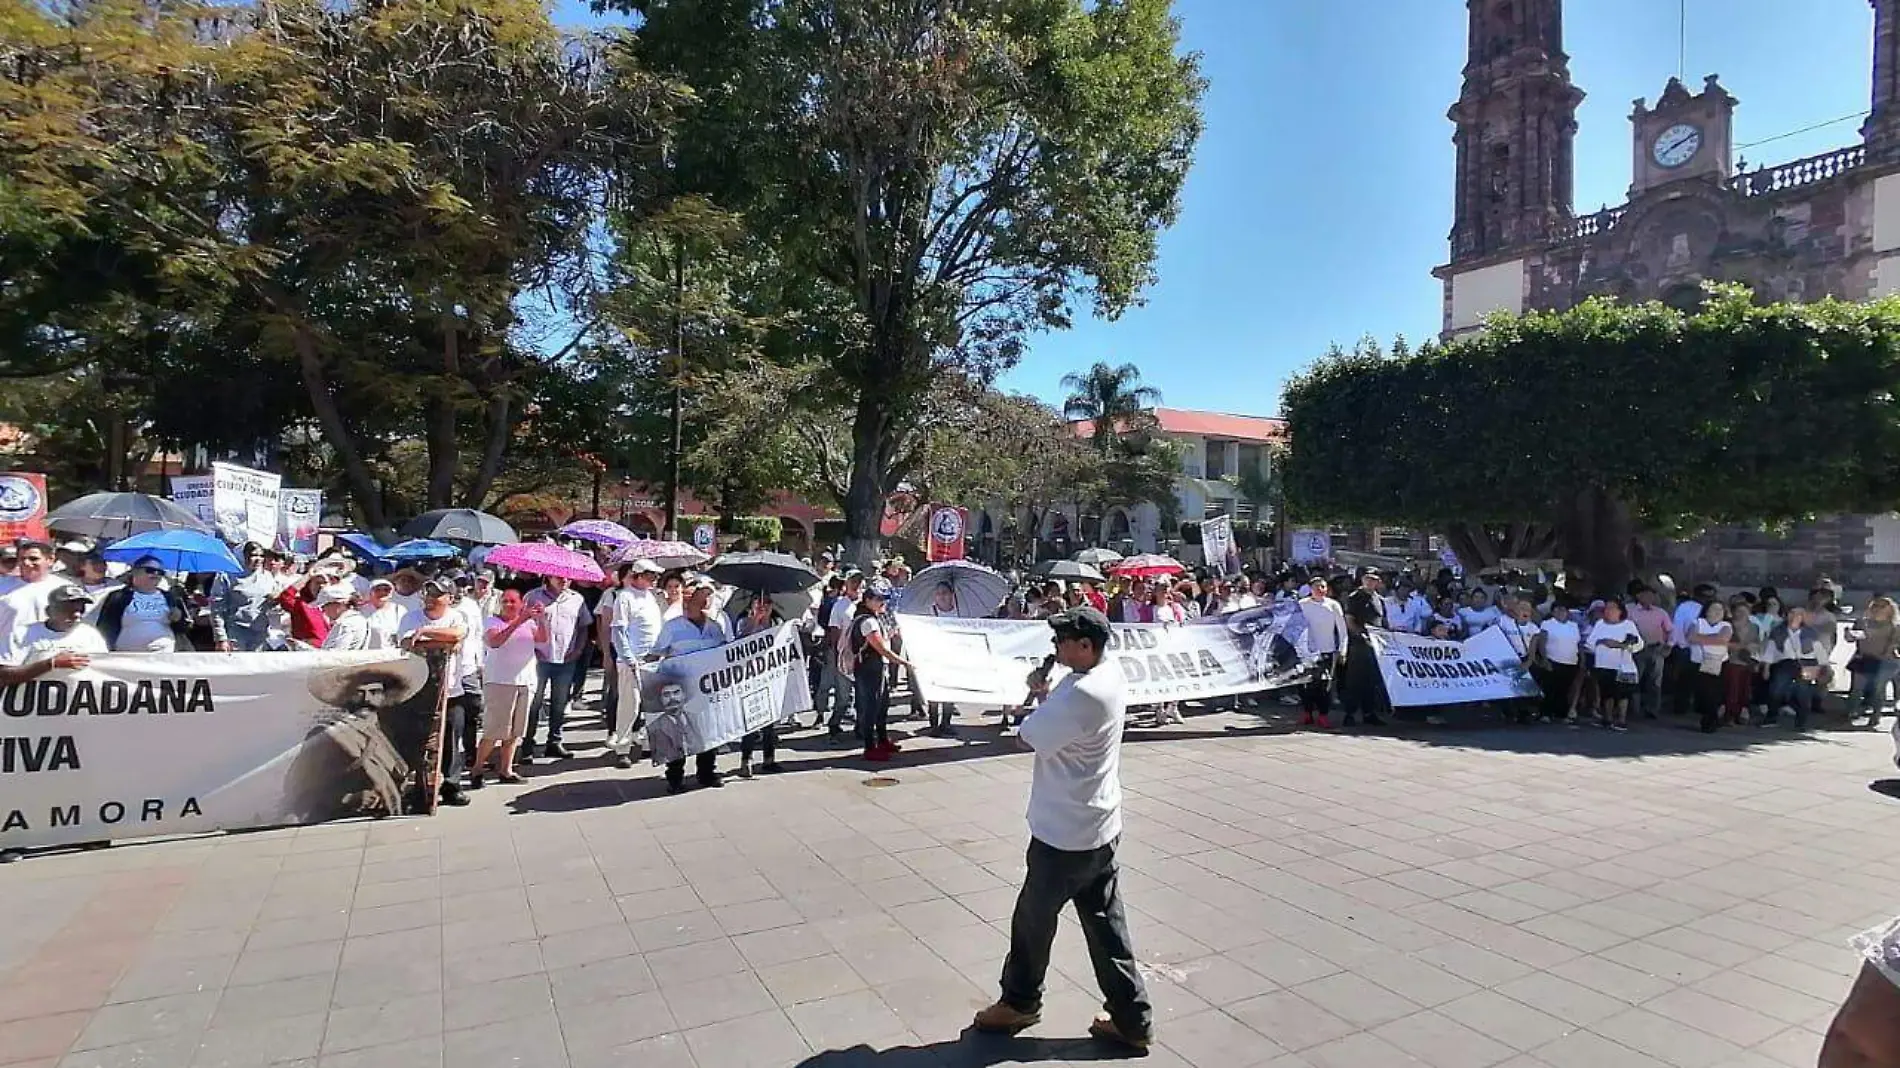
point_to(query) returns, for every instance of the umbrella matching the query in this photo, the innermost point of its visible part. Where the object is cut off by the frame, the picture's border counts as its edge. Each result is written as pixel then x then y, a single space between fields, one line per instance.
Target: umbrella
pixel 362 545
pixel 765 572
pixel 460 524
pixel 1147 565
pixel 978 589
pixel 791 605
pixel 421 549
pixel 1067 569
pixel 545 558
pixel 666 554
pixel 179 550
pixel 603 531
pixel 1096 557
pixel 120 515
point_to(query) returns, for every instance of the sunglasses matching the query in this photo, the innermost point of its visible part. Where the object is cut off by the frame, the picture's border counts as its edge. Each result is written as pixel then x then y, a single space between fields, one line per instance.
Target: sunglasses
pixel 151 571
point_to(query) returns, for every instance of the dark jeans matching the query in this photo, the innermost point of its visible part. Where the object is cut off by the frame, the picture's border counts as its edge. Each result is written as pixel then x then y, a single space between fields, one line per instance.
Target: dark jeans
pixel 465 718
pixel 1557 680
pixel 1316 697
pixel 1361 689
pixel 556 681
pixel 1683 687
pixel 1091 880
pixel 873 701
pixel 941 713
pixel 1787 689
pixel 704 768
pixel 1871 686
pixel 765 740
pixel 581 666
pixel 1709 691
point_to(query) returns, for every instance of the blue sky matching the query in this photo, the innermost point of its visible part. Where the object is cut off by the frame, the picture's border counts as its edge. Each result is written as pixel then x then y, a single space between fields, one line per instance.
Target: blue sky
pixel 1321 195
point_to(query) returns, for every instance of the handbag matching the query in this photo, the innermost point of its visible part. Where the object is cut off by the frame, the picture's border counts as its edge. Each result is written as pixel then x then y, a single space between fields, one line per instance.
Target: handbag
pixel 1627 676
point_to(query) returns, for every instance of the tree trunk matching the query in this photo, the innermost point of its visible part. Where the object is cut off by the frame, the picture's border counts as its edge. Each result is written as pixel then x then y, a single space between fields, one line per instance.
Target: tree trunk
pixel 500 425
pixel 362 484
pixel 1598 538
pixel 439 414
pixel 866 494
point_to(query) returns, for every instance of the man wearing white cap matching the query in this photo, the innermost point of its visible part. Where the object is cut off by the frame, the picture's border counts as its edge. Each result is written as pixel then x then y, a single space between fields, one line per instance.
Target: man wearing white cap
pixel 349 630
pixel 382 613
pixel 634 630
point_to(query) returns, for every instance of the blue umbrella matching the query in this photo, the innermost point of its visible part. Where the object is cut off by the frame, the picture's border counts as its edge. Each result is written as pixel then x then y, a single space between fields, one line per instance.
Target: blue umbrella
pixel 178 550
pixel 362 545
pixel 420 549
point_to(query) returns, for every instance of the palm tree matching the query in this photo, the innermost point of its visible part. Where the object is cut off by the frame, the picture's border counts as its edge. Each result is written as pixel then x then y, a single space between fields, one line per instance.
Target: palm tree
pixel 1112 398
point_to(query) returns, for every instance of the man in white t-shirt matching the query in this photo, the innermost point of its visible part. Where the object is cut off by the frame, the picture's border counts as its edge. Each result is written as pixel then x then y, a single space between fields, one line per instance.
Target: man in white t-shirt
pixel 835 682
pixel 1075 826
pixel 632 633
pixel 26 603
pixel 61 630
pixel 438 627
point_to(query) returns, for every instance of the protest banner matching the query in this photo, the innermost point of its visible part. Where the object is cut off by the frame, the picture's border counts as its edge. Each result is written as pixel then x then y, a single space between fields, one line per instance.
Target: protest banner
pixel 139 745
pixel 1218 547
pixel 244 501
pixel 22 506
pixel 1430 671
pixel 299 512
pixel 699 701
pixel 1312 546
pixel 986 662
pixel 193 494
pixel 946 533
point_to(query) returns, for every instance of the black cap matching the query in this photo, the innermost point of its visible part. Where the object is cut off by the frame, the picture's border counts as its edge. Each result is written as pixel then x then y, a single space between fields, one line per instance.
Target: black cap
pixel 1082 622
pixel 68 594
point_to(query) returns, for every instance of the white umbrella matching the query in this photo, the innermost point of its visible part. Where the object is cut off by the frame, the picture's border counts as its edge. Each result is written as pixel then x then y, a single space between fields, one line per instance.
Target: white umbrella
pixel 978 589
pixel 1096 557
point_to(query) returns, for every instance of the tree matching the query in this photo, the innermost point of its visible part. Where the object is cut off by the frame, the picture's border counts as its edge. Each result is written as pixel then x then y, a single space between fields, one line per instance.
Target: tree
pixel 948 176
pixel 1112 400
pixel 1567 433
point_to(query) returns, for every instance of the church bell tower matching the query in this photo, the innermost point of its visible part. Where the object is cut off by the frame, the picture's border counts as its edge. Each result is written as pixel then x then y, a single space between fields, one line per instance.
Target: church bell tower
pixel 1516 124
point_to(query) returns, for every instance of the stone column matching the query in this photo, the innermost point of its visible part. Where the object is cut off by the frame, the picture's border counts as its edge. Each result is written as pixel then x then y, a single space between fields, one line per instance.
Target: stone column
pixel 1881 131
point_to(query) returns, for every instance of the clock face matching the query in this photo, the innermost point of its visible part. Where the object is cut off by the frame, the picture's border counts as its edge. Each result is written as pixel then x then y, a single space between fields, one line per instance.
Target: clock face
pixel 1677 145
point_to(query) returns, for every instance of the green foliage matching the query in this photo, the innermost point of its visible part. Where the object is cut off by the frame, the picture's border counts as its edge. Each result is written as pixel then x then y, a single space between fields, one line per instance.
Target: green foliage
pixel 766 530
pixel 1112 400
pixel 1740 412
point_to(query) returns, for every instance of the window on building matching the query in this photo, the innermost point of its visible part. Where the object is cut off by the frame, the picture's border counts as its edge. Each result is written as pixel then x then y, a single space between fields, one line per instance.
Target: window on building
pixel 1216 459
pixel 1392 540
pixel 1250 460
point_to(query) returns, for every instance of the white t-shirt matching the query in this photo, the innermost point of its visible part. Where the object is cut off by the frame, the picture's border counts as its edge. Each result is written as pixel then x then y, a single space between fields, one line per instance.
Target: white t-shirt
pixel 1075 793
pixel 23 607
pixel 1475 620
pixel 146 626
pixel 1519 635
pixel 682 635
pixel 349 632
pixel 840 620
pixel 416 620
pixel 1709 658
pixel 512 662
pixel 1561 639
pixel 474 651
pixel 41 641
pixel 1609 657
pixel 383 623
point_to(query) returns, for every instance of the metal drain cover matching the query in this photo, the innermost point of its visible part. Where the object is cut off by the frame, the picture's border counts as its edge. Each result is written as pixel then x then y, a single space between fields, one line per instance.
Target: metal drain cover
pixel 878 782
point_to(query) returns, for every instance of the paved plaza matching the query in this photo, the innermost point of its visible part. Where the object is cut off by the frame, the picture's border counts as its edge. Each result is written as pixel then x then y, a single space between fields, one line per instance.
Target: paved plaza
pixel 1537 898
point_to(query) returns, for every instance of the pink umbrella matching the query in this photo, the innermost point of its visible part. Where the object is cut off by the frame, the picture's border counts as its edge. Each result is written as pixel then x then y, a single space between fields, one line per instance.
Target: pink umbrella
pixel 666 554
pixel 1147 565
pixel 545 558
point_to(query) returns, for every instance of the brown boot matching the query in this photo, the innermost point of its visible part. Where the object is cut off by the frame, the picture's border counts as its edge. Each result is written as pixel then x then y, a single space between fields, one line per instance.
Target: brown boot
pixel 1105 1029
pixel 1001 1018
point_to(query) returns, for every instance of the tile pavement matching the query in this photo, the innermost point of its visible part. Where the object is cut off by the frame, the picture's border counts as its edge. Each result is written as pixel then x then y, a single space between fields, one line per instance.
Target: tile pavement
pixel 1521 899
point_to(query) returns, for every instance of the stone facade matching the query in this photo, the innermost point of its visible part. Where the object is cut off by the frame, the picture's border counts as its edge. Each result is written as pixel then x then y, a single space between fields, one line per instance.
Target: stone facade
pixel 1826 226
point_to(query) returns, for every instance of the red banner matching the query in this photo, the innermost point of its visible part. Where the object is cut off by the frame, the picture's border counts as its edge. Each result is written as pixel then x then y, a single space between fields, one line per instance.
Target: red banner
pixel 946 533
pixel 22 505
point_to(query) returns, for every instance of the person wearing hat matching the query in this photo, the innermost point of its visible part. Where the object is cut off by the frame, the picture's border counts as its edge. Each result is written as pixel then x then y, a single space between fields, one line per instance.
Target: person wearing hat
pixel 61 630
pixel 67 555
pixel 436 627
pixel 870 654
pixel 349 629
pixel 1075 826
pixel 144 615
pixel 696 627
pixel 631 634
pixel 381 613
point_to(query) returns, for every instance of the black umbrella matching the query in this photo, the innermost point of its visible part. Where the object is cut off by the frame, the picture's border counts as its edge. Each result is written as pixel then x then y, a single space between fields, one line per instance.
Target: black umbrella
pixel 762 572
pixel 121 515
pixel 460 524
pixel 1069 570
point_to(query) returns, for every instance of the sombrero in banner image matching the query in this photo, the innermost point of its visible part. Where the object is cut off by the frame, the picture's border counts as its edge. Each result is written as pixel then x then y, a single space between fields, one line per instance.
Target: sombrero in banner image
pixel 369 726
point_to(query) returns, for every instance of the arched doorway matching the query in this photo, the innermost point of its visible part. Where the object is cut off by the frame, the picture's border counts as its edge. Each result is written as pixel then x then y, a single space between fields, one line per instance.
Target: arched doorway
pixel 1120 532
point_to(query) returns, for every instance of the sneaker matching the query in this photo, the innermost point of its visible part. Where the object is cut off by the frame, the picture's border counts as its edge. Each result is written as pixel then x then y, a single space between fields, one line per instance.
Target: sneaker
pixel 745 769
pixel 525 754
pixel 892 747
pixel 1105 1029
pixel 556 751
pixel 1000 1018
pixel 1323 723
pixel 624 762
pixel 456 799
pixel 1619 727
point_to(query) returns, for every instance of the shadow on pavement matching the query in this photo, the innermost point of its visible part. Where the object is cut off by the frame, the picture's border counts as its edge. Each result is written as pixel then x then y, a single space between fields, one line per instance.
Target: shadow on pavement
pixel 972 1049
pixel 1886 788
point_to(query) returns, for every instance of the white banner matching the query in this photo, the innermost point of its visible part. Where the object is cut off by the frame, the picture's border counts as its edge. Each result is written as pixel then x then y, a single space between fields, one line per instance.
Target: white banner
pixel 1428 671
pixel 193 494
pixel 700 701
pixel 298 513
pixel 245 502
pixel 1218 548
pixel 1311 546
pixel 138 745
pixel 987 662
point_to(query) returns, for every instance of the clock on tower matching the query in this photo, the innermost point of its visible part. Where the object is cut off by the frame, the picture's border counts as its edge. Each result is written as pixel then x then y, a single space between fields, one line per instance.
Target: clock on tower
pixel 1683 136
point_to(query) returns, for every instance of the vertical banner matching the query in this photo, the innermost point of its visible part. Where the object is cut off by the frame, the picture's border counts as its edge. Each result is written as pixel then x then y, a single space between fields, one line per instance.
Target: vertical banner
pixel 298 513
pixel 1218 546
pixel 245 502
pixel 1312 546
pixel 193 494
pixel 946 533
pixel 22 506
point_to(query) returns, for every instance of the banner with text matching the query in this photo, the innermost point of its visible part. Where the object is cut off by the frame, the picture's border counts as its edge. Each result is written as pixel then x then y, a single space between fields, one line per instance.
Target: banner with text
pixel 1429 671
pixel 699 701
pixel 987 661
pixel 245 501
pixel 1218 547
pixel 193 494
pixel 22 506
pixel 947 523
pixel 298 514
pixel 140 745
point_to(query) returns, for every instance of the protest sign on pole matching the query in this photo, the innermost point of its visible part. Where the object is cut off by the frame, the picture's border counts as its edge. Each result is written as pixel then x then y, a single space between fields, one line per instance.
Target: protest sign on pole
pixel 299 512
pixel 946 533
pixel 272 738
pixel 193 494
pixel 699 701
pixel 705 535
pixel 22 506
pixel 245 502
pixel 1431 671
pixel 1218 547
pixel 987 661
pixel 1312 546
